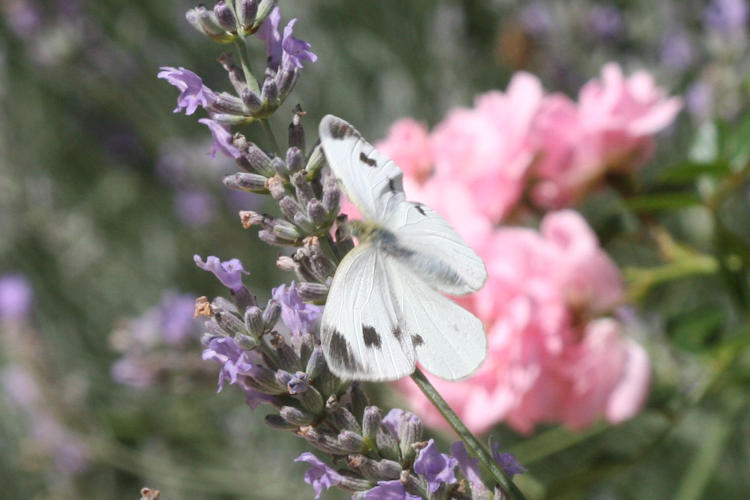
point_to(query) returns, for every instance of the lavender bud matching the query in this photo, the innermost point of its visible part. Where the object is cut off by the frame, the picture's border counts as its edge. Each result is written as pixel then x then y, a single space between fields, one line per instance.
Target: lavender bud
pixel 299 383
pixel 331 195
pixel 270 92
pixel 264 379
pixel 386 444
pixel 285 354
pixel 359 400
pixel 371 419
pixel 295 160
pixel 236 76
pixel 286 263
pixel 246 11
pixel 323 441
pixel 322 266
pixel 254 321
pixel 243 298
pixel 316 363
pixel 302 186
pixel 409 432
pixel 278 422
pixel 246 342
pixel 376 470
pixel 206 338
pixel 354 484
pixel 264 9
pixel 222 303
pixel 311 400
pixel 271 314
pixel 225 16
pixel 285 79
pixel 286 231
pixel 271 238
pixel 316 161
pixel 312 292
pixel 251 100
pixel 342 419
pixel 229 322
pixel 229 105
pixel 205 21
pixel 306 345
pixel 296 132
pixel 289 207
pixel 317 212
pixel 258 160
pixel 242 181
pixel 303 222
pixel 351 442
pixel 213 328
pixel 250 218
pixel 275 185
pixel 295 416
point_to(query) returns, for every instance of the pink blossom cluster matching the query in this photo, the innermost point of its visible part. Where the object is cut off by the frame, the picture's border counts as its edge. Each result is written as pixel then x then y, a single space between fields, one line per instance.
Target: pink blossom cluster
pixel 556 354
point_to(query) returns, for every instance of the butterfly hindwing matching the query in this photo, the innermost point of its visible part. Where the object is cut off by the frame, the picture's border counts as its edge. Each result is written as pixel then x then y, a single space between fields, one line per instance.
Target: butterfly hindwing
pixel 370 179
pixel 431 249
pixel 449 341
pixel 361 328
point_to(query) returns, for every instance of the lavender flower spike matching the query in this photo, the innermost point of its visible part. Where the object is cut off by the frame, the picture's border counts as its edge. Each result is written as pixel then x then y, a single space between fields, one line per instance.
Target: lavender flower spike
pixel 295 50
pixel 228 272
pixel 318 476
pixel 386 490
pixel 223 140
pixel 192 91
pixel 438 468
pixel 507 461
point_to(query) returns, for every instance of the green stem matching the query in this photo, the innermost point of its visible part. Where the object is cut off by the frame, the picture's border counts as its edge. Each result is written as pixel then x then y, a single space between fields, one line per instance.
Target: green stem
pixel 271 137
pixel 466 436
pixel 249 78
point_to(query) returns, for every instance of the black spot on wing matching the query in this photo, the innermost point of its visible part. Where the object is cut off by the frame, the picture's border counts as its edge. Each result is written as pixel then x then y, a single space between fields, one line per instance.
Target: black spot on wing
pixel 340 129
pixel 420 209
pixel 367 161
pixel 417 340
pixel 397 332
pixel 341 353
pixel 392 185
pixel 371 337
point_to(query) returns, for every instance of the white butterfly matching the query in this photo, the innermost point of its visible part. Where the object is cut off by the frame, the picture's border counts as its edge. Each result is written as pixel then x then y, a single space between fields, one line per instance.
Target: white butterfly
pixel 384 311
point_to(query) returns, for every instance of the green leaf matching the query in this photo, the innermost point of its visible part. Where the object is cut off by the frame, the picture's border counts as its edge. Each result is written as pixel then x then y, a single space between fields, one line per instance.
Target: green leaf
pixel 662 201
pixel 690 171
pixel 696 330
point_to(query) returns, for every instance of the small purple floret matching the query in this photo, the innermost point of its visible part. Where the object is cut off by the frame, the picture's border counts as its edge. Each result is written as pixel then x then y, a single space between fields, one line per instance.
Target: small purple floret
pixel 387 490
pixel 223 139
pixel 318 476
pixel 298 316
pixel 507 461
pixel 469 467
pixel 438 468
pixel 192 91
pixel 228 272
pixel 295 50
pixel 234 361
pixel 269 33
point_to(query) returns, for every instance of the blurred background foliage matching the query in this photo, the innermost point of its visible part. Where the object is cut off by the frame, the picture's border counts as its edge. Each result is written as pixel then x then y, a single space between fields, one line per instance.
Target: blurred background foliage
pixel 105 196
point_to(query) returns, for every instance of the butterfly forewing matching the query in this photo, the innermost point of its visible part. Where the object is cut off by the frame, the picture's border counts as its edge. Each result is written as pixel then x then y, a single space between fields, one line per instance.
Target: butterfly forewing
pixel 362 330
pixel 370 179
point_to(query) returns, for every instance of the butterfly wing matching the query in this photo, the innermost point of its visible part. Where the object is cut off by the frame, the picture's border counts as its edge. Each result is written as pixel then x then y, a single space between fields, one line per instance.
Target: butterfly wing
pixel 449 341
pixel 361 328
pixel 432 250
pixel 370 179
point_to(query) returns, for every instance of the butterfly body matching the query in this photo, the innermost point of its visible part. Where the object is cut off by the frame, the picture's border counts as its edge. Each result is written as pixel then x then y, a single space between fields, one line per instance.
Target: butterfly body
pixel 385 310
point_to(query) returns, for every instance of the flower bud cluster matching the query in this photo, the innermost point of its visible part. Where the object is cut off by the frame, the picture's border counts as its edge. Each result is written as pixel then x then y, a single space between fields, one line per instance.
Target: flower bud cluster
pixel 225 22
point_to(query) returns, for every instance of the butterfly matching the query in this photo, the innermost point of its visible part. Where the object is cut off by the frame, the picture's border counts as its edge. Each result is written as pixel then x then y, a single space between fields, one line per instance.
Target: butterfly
pixel 385 310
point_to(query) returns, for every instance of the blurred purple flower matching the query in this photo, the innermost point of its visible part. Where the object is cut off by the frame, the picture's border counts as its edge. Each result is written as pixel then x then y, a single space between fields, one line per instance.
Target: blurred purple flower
pixel 386 490
pixel 507 461
pixel 16 296
pixel 132 370
pixel 228 272
pixel 192 91
pixel 177 320
pixel 676 51
pixel 536 18
pixel 298 316
pixel 605 21
pixel 470 468
pixel 23 17
pixel 319 476
pixel 438 468
pixel 726 16
pixel 234 361
pixel 699 99
pixel 195 207
pixel 269 33
pixel 295 50
pixel 223 139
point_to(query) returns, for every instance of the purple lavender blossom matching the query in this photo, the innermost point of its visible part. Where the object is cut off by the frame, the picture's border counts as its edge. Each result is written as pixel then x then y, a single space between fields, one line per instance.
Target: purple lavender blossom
pixel 295 50
pixel 676 51
pixel 386 490
pixel 23 17
pixel 298 316
pixel 507 461
pixel 131 370
pixel 470 468
pixel 177 320
pixel 234 361
pixel 726 16
pixel 192 91
pixel 195 207
pixel 699 100
pixel 319 476
pixel 299 382
pixel 269 33
pixel 536 18
pixel 16 296
pixel 228 272
pixel 605 21
pixel 438 468
pixel 393 418
pixel 223 140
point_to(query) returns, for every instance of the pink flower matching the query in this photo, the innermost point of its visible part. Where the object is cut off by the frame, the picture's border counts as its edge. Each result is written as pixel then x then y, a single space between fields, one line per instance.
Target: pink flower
pixel 408 145
pixel 488 148
pixel 610 129
pixel 549 360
